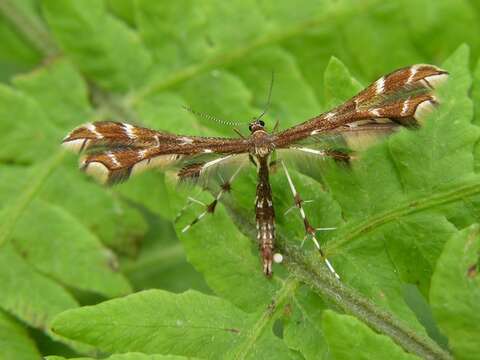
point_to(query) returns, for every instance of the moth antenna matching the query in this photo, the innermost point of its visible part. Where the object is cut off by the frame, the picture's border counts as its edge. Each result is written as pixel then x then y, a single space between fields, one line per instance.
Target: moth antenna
pixel 211 118
pixel 269 97
pixel 239 133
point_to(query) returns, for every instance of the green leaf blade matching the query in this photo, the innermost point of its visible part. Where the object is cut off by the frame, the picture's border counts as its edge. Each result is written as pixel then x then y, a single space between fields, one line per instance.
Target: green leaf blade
pixel 27 294
pixel 15 341
pixel 349 338
pixel 155 321
pixel 455 293
pixel 116 59
pixel 67 243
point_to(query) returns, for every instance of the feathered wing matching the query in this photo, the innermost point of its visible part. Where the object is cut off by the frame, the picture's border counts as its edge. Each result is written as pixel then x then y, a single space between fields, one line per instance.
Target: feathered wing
pixel 115 151
pixel 401 98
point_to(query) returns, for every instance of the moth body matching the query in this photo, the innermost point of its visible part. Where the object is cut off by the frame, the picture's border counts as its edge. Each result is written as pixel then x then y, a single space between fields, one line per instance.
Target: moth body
pixel 402 98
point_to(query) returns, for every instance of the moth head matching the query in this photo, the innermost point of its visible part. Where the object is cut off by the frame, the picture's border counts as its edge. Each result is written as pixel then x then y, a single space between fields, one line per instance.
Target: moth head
pixel 255 125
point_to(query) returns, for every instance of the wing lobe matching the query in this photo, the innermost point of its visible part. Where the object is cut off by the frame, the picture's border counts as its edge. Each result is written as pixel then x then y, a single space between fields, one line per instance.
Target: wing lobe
pixel 398 96
pixel 115 151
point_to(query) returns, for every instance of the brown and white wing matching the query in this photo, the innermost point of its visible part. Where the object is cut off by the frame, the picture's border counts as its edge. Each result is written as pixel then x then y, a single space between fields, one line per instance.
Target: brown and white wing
pixel 203 170
pixel 340 144
pixel 401 98
pixel 115 151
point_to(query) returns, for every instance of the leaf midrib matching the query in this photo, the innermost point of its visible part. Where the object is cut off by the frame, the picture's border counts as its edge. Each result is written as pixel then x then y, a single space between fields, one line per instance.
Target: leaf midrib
pixel 175 79
pixel 463 190
pixel 32 187
pixel 243 348
pixel 223 59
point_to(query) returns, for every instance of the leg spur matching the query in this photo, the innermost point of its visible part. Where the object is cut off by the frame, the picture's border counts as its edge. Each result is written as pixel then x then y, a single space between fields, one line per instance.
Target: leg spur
pixel 309 229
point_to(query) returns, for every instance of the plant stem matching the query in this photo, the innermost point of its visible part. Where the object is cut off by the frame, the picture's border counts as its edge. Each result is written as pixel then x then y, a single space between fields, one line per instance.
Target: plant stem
pixel 311 270
pixel 313 273
pixel 244 349
pixel 30 27
pixel 468 189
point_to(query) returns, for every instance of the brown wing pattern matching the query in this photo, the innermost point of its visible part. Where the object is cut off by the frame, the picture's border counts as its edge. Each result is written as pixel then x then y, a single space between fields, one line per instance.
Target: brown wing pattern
pixel 117 150
pixel 402 97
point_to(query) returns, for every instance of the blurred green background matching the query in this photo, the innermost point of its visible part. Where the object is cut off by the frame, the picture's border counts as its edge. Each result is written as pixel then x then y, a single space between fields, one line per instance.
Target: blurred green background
pixel 66 241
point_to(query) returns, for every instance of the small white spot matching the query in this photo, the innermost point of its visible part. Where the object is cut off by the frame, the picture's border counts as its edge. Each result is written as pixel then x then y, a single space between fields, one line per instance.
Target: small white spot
pixel 185 140
pixel 355 101
pixel 380 86
pixel 129 131
pixel 157 140
pixel 375 112
pixel 75 145
pixel 98 171
pixel 315 132
pixel 207 151
pixel 329 115
pixel 269 202
pixel 142 153
pixel 413 71
pixel 113 158
pixel 277 258
pixel 436 80
pixel 405 107
pixel 92 128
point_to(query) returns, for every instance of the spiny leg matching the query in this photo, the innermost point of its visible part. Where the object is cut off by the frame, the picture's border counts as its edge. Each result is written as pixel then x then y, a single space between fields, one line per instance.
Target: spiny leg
pixel 309 229
pixel 210 208
pixel 190 202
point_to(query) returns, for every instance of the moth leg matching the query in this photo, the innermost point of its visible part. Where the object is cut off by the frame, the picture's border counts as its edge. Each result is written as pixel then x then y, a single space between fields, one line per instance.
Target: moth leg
pixel 275 127
pixel 210 208
pixel 190 202
pixel 309 229
pixel 295 206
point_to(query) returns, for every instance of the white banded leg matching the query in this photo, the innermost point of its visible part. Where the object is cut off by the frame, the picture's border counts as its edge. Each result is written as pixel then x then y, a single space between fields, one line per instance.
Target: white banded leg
pixel 309 229
pixel 295 206
pixel 210 208
pixel 190 202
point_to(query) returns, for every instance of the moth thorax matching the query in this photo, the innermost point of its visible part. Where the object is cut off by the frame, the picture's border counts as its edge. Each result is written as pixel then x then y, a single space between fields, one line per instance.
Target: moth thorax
pixel 262 142
pixel 262 151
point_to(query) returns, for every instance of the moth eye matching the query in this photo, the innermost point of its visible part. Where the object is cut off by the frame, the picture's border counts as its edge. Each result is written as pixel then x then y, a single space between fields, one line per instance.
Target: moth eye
pixel 250 127
pixel 262 123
